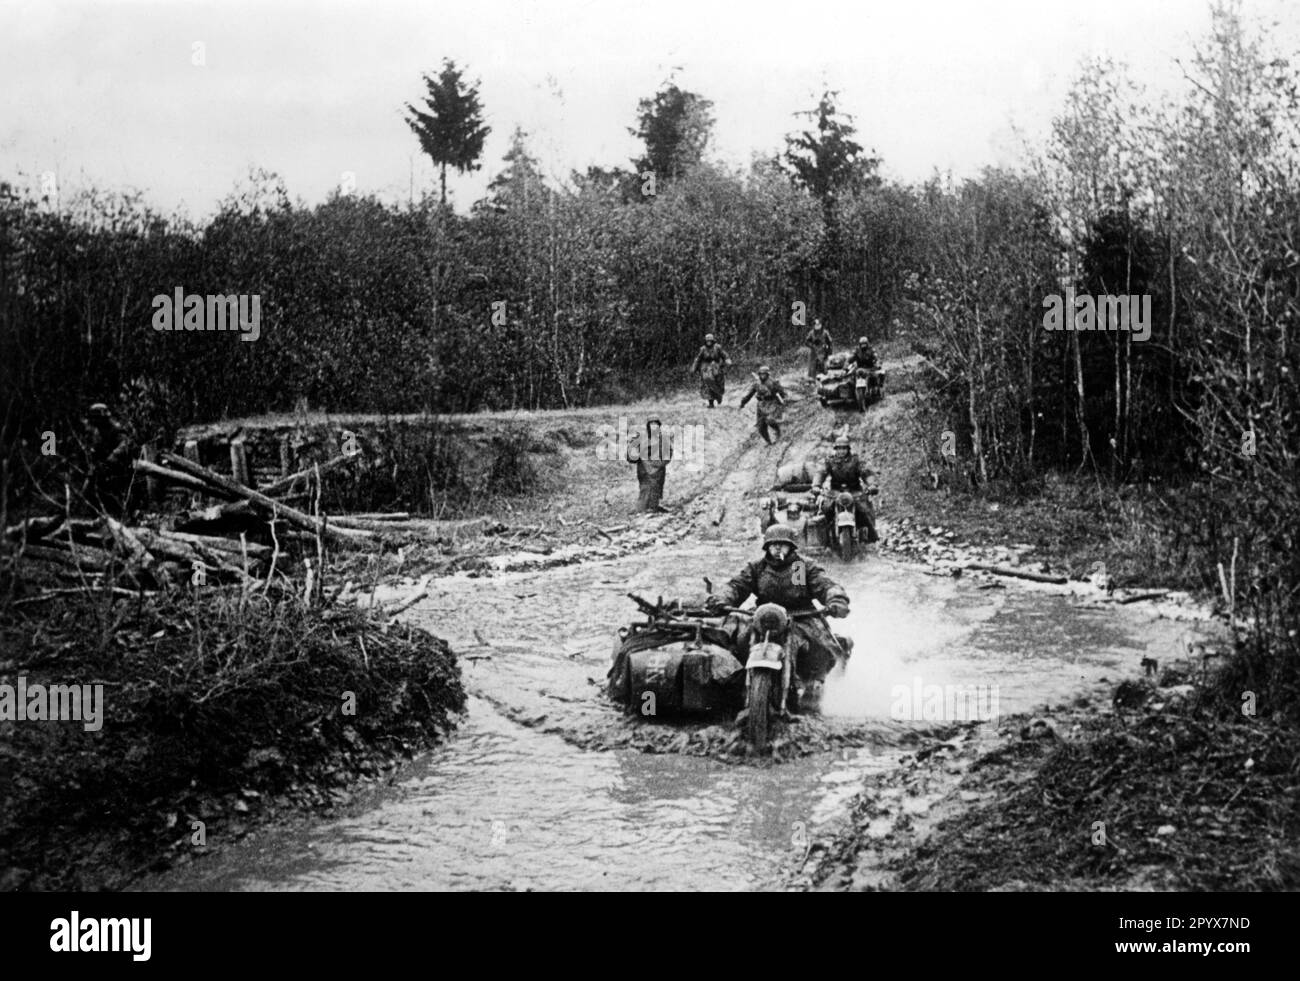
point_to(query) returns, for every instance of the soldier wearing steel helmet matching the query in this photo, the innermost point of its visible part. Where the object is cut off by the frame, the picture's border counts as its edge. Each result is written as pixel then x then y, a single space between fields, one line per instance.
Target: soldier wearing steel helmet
pixel 782 576
pixel 771 403
pixel 844 471
pixel 864 355
pixel 819 344
pixel 109 452
pixel 711 363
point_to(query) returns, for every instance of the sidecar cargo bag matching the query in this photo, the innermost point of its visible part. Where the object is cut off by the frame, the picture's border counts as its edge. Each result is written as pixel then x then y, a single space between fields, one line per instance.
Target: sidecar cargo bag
pixel 679 677
pixel 836 362
pixel 792 473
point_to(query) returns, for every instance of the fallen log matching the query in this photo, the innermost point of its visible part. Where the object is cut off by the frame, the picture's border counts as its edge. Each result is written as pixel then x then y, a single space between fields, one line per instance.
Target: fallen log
pixel 86 590
pixel 376 516
pixel 453 526
pixel 177 478
pixel 238 509
pixel 406 604
pixel 1139 597
pixel 368 524
pixel 535 549
pixel 285 483
pixel 999 570
pixel 79 558
pixel 523 530
pixel 254 549
pixel 175 551
pixel 135 548
pixel 188 553
pixel 347 537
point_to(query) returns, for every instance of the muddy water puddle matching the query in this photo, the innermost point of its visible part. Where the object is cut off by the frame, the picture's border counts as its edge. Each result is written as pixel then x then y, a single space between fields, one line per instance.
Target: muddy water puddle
pixel 505 807
pixel 511 804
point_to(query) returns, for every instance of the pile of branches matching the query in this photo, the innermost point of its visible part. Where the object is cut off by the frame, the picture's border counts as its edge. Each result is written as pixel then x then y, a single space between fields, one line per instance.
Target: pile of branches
pixel 243 540
pixel 230 534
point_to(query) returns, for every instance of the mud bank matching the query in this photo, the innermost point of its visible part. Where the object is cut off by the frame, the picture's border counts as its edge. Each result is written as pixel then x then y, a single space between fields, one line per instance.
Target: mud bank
pixel 219 715
pixel 1141 788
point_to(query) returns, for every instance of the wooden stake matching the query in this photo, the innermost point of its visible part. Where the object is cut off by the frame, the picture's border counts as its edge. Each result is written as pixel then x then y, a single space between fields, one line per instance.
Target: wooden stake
pixel 239 462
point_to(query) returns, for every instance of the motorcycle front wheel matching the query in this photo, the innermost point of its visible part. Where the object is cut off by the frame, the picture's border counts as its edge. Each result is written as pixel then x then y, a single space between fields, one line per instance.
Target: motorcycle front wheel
pixel 760 699
pixel 848 543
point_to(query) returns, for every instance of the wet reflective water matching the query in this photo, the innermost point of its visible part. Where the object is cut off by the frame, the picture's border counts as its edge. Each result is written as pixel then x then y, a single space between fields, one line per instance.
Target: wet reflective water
pixel 507 806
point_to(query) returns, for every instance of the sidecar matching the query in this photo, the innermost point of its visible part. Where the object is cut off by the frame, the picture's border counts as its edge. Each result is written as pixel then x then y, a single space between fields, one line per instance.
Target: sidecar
pixel 839 385
pixel 683 666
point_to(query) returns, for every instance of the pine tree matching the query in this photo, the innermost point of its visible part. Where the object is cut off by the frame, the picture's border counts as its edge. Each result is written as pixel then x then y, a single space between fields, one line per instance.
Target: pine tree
pixel 830 160
pixel 452 131
pixel 520 182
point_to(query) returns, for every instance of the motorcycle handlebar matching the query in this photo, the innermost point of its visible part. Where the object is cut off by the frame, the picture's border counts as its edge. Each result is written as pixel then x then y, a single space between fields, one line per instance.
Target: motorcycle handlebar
pixel 707 611
pixel 793 615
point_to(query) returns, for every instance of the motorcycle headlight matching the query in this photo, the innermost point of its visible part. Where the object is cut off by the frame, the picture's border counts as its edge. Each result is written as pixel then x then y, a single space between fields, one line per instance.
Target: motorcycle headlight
pixel 771 618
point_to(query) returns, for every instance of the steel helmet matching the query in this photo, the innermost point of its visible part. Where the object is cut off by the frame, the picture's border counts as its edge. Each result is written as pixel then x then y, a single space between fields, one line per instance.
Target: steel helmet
pixel 863 341
pixel 779 533
pixel 708 338
pixel 99 409
pixel 842 442
pixel 764 370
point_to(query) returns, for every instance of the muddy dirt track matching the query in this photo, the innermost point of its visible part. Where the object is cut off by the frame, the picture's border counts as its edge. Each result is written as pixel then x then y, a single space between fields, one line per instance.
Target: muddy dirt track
pixel 549 786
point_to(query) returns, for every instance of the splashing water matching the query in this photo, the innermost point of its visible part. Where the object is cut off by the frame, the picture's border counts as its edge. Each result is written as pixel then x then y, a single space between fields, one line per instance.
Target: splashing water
pixel 888 638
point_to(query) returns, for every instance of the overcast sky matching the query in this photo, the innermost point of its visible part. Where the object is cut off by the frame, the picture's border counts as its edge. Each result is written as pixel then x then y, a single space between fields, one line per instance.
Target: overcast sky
pixel 107 93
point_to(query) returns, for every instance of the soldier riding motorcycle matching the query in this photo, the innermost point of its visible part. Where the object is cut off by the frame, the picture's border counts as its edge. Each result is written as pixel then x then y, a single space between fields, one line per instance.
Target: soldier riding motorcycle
pixel 783 578
pixel 771 661
pixel 845 500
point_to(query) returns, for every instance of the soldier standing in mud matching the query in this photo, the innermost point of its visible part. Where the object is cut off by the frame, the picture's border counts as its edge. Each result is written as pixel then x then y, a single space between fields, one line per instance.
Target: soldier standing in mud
pixel 108 476
pixel 818 341
pixel 771 403
pixel 651 456
pixel 711 362
pixel 782 577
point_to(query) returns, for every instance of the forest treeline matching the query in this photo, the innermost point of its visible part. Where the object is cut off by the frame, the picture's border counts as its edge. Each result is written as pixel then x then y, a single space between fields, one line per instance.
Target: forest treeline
pixel 550 294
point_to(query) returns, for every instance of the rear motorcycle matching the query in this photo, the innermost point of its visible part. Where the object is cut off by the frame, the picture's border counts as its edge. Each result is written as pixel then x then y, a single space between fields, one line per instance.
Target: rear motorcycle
pixel 859 387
